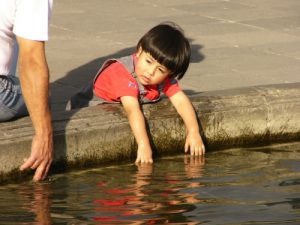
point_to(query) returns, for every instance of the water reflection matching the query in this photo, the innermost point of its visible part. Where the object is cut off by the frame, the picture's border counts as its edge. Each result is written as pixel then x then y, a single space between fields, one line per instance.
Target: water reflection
pixel 151 200
pixel 236 186
pixel 41 204
pixel 36 203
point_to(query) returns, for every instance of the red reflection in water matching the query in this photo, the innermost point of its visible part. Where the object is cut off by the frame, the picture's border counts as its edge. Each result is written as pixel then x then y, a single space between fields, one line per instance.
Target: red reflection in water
pixel 144 203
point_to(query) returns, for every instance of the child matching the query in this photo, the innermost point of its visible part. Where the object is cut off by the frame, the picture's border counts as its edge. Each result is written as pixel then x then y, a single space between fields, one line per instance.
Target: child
pixel 162 55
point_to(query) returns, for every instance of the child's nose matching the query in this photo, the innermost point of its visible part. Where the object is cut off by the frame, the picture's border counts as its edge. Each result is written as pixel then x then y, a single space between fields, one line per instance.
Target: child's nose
pixel 151 70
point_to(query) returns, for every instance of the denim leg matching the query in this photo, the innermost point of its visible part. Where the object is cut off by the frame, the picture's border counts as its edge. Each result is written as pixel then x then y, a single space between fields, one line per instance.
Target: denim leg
pixel 12 104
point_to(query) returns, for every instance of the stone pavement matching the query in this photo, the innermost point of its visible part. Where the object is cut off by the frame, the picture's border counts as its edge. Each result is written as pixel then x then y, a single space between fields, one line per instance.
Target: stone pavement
pixel 235 43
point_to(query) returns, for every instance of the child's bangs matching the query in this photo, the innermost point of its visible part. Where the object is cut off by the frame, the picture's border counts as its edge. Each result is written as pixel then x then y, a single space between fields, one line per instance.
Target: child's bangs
pixel 165 55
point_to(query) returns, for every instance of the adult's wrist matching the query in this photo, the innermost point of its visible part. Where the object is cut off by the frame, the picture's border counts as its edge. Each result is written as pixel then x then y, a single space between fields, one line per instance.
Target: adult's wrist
pixel 44 127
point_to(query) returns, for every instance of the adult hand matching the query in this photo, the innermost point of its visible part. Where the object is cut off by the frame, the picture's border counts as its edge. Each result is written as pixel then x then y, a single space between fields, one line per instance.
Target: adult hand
pixel 41 156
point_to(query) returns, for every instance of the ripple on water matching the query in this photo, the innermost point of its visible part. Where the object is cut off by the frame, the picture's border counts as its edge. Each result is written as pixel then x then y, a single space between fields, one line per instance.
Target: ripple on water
pixel 235 186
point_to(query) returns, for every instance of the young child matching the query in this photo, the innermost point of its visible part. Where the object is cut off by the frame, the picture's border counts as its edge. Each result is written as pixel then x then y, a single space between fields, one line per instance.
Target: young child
pixel 162 57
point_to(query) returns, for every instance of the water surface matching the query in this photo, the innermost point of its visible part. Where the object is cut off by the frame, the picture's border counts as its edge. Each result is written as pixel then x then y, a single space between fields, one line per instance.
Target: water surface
pixel 235 186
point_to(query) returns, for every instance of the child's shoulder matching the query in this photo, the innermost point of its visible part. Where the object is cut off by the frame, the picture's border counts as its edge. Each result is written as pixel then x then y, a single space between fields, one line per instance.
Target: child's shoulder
pixel 114 67
pixel 120 63
pixel 170 81
pixel 113 71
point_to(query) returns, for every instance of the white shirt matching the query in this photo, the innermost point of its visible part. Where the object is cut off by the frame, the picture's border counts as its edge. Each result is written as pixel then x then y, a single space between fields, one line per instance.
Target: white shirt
pixel 25 18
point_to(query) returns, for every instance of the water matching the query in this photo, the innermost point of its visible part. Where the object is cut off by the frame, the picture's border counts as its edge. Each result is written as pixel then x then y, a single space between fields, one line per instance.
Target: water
pixel 237 186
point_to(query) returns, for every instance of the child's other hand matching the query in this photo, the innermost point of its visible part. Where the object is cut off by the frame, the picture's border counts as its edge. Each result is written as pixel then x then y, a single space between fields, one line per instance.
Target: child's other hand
pixel 195 144
pixel 144 154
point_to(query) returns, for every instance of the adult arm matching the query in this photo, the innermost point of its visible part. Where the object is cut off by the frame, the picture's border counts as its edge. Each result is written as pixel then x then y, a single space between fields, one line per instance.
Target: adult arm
pixel 34 77
pixel 185 109
pixel 137 123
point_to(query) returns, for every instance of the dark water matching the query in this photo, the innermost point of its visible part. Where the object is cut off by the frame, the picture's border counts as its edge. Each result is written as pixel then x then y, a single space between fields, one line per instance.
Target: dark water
pixel 238 186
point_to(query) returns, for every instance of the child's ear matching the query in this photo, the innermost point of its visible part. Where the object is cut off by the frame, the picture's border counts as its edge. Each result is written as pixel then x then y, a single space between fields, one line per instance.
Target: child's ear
pixel 139 52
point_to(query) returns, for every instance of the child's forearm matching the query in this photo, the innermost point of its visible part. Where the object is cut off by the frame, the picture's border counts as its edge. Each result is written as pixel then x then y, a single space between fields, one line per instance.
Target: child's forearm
pixel 138 127
pixel 186 111
pixel 136 119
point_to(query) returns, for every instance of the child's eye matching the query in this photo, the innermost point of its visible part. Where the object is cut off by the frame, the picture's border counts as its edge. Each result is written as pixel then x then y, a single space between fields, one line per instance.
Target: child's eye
pixel 161 70
pixel 148 61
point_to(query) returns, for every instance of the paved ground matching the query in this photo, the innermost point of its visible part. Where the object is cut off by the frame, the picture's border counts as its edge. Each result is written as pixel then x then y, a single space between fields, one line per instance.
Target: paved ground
pixel 235 43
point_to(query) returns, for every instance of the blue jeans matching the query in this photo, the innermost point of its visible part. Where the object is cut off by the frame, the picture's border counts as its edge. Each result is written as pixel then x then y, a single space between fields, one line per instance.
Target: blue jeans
pixel 12 104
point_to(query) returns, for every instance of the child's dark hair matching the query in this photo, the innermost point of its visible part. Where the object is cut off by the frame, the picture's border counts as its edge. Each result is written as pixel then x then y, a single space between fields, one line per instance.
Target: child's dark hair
pixel 167 44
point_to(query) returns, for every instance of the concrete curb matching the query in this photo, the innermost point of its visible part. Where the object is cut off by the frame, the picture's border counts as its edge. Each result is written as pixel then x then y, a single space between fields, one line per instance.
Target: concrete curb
pixel 258 115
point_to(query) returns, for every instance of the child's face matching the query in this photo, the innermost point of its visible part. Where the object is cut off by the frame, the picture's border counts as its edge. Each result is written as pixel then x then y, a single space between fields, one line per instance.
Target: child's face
pixel 148 70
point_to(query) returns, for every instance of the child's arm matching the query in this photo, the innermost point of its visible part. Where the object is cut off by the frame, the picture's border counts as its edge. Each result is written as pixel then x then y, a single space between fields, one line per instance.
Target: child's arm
pixel 185 109
pixel 137 122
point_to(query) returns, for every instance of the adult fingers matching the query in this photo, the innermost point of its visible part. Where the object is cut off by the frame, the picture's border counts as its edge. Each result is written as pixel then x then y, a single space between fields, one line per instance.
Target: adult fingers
pixel 41 171
pixel 28 163
pixel 36 164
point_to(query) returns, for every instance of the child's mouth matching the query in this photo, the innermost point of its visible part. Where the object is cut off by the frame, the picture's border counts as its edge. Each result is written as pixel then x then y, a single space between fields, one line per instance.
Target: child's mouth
pixel 146 79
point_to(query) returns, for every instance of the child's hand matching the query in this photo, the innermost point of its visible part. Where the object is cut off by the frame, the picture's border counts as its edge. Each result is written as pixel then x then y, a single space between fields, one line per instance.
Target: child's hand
pixel 144 154
pixel 195 144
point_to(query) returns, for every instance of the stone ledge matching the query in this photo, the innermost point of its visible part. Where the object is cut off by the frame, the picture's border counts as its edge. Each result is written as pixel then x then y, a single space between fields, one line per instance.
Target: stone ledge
pixel 250 116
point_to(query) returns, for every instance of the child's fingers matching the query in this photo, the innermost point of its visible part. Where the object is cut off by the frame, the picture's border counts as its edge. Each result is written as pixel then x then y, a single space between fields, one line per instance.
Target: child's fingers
pixel 186 147
pixel 192 150
pixel 146 161
pixel 143 160
pixel 200 150
pixel 138 160
pixel 203 149
pixel 197 150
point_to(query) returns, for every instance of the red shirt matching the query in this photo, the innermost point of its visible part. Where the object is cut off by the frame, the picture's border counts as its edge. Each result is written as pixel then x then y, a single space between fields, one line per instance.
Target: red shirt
pixel 115 81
